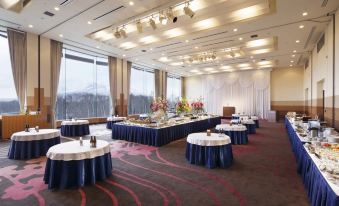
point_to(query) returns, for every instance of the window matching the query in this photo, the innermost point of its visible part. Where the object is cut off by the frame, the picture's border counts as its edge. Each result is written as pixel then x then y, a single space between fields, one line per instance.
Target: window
pixel 8 99
pixel 141 90
pixel 83 86
pixel 173 91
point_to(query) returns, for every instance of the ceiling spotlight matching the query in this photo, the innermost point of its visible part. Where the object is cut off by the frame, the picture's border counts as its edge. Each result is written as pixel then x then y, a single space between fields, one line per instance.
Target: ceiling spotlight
pixel 292 61
pixel 251 57
pixel 294 51
pixel 123 33
pixel 30 26
pixel 235 29
pixel 196 47
pixel 293 55
pixel 297 41
pixel 240 38
pixel 291 65
pixel 131 3
pixel 305 13
pixel 187 41
pixel 171 16
pixel 89 22
pixel 301 26
pixel 139 27
pixel 188 11
pixel 152 23
pixel 117 34
pixel 60 35
pixel 124 55
pixel 98 47
pixel 56 8
pixel 162 19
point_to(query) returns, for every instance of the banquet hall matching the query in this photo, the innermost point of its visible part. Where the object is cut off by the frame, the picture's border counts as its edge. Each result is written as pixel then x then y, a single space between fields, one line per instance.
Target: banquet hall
pixel 169 102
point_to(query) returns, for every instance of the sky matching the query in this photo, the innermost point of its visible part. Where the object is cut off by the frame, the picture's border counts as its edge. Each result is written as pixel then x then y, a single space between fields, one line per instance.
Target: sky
pixel 7 88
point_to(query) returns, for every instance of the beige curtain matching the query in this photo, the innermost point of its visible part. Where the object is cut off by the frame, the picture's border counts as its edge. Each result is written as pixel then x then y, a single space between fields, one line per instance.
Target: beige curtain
pixel 129 67
pixel 157 84
pixel 183 88
pixel 56 55
pixel 18 53
pixel 164 85
pixel 112 64
pixel 160 80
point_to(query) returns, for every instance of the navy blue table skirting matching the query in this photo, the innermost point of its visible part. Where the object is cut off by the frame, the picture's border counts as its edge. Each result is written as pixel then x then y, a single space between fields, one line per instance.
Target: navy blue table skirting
pixel 162 136
pixel 61 174
pixel 318 190
pixel 210 156
pixel 74 130
pixel 237 137
pixel 21 150
pixel 256 123
pixel 251 128
pixel 235 117
pixel 110 123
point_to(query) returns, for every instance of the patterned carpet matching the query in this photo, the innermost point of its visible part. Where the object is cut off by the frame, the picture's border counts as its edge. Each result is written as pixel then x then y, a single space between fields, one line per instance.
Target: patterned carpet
pixel 263 173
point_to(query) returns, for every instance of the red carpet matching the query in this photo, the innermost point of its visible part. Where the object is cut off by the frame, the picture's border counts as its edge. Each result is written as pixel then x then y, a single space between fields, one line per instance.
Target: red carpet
pixel 263 173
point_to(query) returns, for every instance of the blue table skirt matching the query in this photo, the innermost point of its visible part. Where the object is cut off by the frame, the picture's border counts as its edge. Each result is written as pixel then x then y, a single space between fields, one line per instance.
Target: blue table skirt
pixel 210 156
pixel 256 123
pixel 318 190
pixel 77 173
pixel 110 123
pixel 251 128
pixel 235 117
pixel 21 150
pixel 159 137
pixel 237 137
pixel 74 130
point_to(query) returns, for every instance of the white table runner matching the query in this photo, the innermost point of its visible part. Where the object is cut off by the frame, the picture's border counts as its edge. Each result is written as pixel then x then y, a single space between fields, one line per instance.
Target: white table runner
pixel 73 151
pixel 32 135
pixel 203 140
pixel 77 122
pixel 116 119
pixel 228 127
pixel 249 121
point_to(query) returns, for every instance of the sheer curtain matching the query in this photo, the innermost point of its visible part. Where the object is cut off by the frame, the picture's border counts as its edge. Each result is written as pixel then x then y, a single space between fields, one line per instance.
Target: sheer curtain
pixel 248 92
pixel 56 55
pixel 17 48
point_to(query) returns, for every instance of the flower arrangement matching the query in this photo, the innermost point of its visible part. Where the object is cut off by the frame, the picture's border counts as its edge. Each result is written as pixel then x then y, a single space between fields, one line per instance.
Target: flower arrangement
pixel 159 104
pixel 182 106
pixel 197 106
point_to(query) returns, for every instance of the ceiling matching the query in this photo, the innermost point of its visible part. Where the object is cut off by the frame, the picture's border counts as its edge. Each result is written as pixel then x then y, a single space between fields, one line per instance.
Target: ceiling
pixel 222 36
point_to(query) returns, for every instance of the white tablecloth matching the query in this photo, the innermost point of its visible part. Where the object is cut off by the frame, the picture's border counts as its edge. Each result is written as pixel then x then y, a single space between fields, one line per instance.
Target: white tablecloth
pixel 116 119
pixel 249 121
pixel 77 122
pixel 203 140
pixel 73 151
pixel 228 127
pixel 33 135
pixel 254 118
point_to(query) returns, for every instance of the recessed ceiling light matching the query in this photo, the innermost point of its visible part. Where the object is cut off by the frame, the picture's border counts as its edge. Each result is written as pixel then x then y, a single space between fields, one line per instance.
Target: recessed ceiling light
pixel 124 55
pixel 151 49
pixel 297 41
pixel 196 47
pixel 56 8
pixel 162 54
pixel 293 55
pixel 292 61
pixel 235 29
pixel 305 13
pixel 251 57
pixel 294 51
pixel 89 22
pixel 30 26
pixel 240 38
pixel 131 3
pixel 291 65
pixel 61 35
pixel 301 26
pixel 187 41
pixel 136 59
pixel 253 60
pixel 98 47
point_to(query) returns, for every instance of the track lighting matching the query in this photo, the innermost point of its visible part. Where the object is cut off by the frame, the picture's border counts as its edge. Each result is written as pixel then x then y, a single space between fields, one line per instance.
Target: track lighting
pixel 162 19
pixel 117 34
pixel 139 27
pixel 188 11
pixel 123 33
pixel 152 23
pixel 171 16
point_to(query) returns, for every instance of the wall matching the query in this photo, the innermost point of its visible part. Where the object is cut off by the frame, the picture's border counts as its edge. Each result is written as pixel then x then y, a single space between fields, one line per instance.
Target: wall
pixel 287 92
pixel 320 75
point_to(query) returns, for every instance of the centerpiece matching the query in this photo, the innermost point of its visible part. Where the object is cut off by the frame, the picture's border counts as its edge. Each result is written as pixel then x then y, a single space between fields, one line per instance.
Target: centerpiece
pixel 197 107
pixel 182 107
pixel 158 108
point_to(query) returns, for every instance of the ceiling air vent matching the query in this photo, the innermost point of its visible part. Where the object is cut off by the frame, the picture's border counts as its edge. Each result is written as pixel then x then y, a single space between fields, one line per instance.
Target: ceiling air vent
pixel 109 12
pixel 167 45
pixel 254 36
pixel 66 2
pixel 202 37
pixel 48 13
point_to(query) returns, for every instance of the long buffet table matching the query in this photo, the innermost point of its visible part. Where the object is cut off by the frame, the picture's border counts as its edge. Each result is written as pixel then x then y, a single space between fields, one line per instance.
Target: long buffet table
pixel 163 135
pixel 319 189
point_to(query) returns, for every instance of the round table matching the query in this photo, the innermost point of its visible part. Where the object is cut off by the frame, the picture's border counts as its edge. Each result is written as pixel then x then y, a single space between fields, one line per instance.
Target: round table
pixel 238 133
pixel 256 120
pixel 71 165
pixel 211 151
pixel 113 120
pixel 32 144
pixel 74 128
pixel 250 125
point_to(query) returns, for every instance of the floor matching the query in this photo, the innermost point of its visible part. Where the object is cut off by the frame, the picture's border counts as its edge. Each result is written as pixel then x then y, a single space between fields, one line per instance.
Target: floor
pixel 263 173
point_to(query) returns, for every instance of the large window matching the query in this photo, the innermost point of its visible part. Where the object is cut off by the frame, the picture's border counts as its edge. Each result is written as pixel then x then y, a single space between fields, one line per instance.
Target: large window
pixel 141 90
pixel 83 86
pixel 8 98
pixel 173 90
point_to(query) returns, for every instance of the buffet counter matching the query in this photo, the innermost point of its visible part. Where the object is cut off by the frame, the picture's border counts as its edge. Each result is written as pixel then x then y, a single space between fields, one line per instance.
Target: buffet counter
pixel 158 135
pixel 321 183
